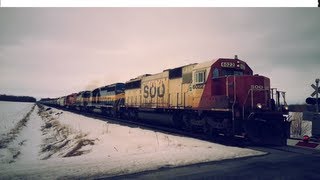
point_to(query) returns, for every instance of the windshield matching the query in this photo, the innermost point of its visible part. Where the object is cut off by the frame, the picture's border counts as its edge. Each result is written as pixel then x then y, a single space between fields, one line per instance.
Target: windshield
pixel 231 72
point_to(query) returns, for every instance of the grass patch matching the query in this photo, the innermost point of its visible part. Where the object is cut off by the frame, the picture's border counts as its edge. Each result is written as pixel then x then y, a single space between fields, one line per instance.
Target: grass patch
pixel 75 151
pixel 60 139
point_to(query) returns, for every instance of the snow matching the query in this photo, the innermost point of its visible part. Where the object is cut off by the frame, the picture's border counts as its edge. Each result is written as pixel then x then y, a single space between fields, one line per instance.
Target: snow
pixel 11 113
pixel 60 144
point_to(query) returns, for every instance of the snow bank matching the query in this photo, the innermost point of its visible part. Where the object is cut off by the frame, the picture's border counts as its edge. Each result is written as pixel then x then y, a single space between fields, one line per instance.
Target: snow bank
pixel 114 149
pixel 16 149
pixel 11 113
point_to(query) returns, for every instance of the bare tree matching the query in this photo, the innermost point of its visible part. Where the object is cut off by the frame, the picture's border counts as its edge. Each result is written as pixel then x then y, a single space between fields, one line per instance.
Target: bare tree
pixel 299 127
pixel 296 124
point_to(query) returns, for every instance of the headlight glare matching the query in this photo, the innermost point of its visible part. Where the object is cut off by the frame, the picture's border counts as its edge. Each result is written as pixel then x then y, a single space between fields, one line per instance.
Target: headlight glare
pixel 259 106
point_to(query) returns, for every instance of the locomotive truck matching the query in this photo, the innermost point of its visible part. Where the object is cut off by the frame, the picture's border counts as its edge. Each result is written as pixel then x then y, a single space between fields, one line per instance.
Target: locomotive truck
pixel 218 97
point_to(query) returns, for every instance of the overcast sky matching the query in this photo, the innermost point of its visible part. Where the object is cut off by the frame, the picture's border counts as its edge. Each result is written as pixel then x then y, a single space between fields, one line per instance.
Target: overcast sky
pixel 52 52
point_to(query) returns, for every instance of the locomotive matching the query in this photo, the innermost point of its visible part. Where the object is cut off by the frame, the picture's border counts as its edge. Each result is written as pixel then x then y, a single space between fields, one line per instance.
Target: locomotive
pixel 218 97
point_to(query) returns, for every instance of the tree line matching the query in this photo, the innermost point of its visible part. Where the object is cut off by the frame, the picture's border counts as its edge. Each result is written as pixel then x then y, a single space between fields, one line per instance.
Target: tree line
pixel 302 107
pixel 4 97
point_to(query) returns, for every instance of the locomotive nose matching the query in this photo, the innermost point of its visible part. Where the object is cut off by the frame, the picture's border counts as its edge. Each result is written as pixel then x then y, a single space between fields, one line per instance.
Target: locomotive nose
pixel 253 92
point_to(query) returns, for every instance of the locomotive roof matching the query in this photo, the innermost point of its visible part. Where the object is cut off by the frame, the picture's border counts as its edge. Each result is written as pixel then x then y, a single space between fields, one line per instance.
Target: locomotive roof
pixel 201 65
pixel 139 77
pixel 205 64
pixel 180 67
pixel 211 62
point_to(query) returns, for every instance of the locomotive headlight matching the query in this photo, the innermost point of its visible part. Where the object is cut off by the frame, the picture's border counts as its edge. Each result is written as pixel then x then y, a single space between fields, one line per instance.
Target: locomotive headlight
pixel 259 106
pixel 286 108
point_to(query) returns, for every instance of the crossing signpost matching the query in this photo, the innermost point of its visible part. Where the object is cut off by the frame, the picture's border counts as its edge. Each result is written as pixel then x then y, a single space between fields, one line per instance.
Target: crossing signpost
pixel 316 92
pixel 316 117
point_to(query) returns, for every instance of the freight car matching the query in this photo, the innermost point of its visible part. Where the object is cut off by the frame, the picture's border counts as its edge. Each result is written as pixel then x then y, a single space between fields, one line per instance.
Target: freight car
pixel 221 96
pixel 70 100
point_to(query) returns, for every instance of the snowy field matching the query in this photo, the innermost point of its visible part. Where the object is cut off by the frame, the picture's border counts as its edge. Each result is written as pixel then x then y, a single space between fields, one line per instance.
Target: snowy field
pixel 11 113
pixel 58 144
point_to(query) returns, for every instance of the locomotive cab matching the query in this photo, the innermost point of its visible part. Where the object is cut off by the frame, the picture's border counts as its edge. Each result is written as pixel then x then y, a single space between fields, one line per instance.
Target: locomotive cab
pixel 246 100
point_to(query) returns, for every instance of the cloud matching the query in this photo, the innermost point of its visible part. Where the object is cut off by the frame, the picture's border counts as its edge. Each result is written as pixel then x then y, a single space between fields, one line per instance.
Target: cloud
pixel 54 52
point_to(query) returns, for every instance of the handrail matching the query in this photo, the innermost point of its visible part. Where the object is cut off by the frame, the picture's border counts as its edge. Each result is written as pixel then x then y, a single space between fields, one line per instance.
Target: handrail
pixel 234 100
pixel 245 103
pixel 251 90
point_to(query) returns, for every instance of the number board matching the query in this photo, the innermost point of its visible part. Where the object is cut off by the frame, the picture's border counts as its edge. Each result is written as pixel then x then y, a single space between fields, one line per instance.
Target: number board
pixel 228 64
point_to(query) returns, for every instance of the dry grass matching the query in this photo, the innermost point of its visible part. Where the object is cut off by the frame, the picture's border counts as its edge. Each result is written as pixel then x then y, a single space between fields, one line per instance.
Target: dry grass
pixel 75 151
pixel 61 139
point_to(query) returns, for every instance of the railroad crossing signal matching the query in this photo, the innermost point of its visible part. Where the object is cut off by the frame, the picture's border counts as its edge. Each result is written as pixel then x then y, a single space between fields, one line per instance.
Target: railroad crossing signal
pixel 315 90
pixel 312 101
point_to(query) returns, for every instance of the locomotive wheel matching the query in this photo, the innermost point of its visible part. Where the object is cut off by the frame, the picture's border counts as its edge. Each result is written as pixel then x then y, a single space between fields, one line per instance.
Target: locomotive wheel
pixel 177 120
pixel 115 114
pixel 133 115
pixel 186 124
pixel 130 115
pixel 209 131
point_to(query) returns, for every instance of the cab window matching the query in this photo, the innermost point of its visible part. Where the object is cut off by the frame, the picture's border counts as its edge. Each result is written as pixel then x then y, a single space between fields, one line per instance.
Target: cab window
pixel 238 73
pixel 230 72
pixel 199 77
pixel 215 73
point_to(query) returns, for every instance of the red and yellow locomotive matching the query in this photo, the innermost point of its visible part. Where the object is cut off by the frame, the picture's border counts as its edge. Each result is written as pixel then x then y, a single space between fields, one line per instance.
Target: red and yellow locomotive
pixel 217 97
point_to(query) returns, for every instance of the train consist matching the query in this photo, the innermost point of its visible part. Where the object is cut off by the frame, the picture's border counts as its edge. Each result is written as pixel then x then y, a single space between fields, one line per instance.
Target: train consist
pixel 218 97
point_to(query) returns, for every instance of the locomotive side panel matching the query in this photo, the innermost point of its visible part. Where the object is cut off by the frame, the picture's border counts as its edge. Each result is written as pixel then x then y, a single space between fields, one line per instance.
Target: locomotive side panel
pixel 200 76
pixel 82 99
pixel 154 91
pixel 61 101
pixel 175 93
pixel 86 98
pixel 94 98
pixel 214 95
pixel 186 93
pixel 109 95
pixel 79 99
pixel 133 97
